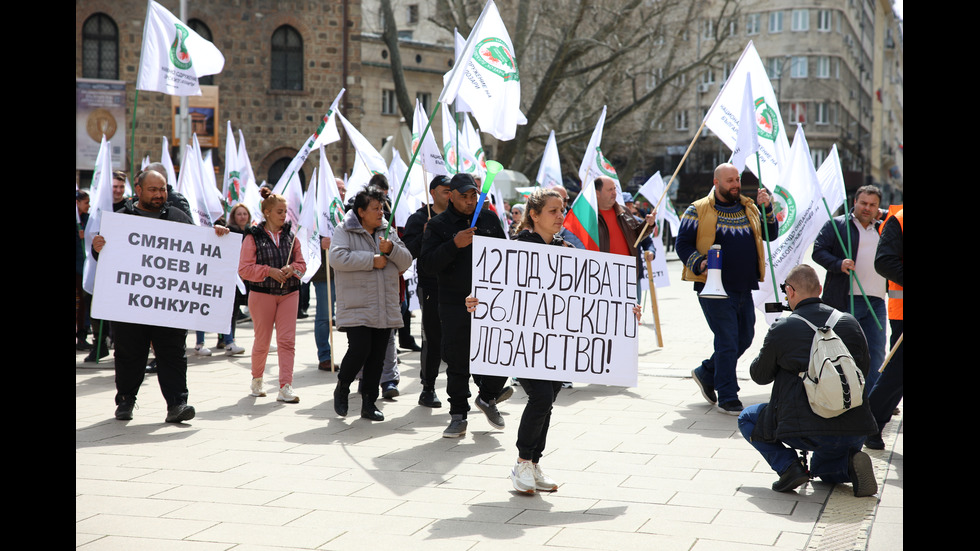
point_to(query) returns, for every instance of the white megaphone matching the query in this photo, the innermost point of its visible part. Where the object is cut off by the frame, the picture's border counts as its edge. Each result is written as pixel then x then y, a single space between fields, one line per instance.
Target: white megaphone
pixel 713 287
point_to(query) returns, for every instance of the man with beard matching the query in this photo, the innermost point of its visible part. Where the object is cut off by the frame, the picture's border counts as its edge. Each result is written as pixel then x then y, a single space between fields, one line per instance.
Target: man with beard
pixel 727 218
pixel 133 339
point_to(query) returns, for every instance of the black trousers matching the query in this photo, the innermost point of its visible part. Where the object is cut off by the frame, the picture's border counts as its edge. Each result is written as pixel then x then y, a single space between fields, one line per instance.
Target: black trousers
pixel 456 323
pixel 366 347
pixel 132 351
pixel 533 432
pixel 431 336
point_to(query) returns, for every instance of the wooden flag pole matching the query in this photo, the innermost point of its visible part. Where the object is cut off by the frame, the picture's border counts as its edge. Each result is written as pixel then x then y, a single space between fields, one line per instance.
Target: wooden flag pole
pixel 653 303
pixel 892 353
pixel 674 175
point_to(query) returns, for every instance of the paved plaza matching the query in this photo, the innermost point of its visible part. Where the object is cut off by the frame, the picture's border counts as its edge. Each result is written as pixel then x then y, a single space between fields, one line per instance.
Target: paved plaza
pixel 648 468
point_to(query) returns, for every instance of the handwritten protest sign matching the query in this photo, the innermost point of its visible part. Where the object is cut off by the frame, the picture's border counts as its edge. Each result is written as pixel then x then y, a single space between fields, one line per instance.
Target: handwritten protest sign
pixel 553 313
pixel 168 274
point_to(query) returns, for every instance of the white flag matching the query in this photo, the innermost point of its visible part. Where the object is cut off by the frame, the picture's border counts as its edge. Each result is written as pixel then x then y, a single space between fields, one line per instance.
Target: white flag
pixel 191 185
pixel 308 233
pixel 330 205
pixel 408 203
pixel 231 188
pixel 100 202
pixel 429 157
pixel 470 142
pixel 722 117
pixel 832 180
pixel 800 212
pixel 594 164
pixel 168 164
pixel 325 133
pixel 549 173
pixel 244 165
pixel 747 141
pixel 458 159
pixel 486 77
pixel 653 190
pixel 173 56
pixel 209 183
pixel 369 156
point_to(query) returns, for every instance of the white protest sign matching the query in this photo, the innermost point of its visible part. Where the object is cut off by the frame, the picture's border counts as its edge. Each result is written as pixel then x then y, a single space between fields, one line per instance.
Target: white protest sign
pixel 168 274
pixel 553 313
pixel 659 264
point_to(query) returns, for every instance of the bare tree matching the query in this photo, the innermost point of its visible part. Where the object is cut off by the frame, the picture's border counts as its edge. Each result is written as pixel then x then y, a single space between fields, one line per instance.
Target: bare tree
pixel 634 56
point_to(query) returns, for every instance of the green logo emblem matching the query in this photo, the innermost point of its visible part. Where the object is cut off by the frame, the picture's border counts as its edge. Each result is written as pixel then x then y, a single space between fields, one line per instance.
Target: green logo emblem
pixel 336 212
pixel 766 119
pixel 466 165
pixel 178 50
pixel 495 55
pixel 784 207
pixel 605 166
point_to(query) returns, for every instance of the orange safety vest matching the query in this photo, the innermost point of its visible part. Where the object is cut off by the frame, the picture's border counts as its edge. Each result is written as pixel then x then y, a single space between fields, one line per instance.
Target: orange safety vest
pixel 895 311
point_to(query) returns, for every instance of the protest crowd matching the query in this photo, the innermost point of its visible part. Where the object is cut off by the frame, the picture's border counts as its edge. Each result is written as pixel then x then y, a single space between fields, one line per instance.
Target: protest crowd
pixel 358 244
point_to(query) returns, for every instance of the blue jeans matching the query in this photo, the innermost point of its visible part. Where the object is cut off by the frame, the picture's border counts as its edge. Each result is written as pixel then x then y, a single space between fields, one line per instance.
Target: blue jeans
pixel 875 336
pixel 732 320
pixel 831 454
pixel 321 321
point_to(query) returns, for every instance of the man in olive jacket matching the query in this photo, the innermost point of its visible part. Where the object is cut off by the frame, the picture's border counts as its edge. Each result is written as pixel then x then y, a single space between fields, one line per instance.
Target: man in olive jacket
pixel 787 423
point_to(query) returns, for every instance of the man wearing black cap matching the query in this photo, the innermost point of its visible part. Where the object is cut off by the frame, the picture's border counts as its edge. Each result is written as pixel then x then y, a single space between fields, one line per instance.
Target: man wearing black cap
pixel 428 289
pixel 447 254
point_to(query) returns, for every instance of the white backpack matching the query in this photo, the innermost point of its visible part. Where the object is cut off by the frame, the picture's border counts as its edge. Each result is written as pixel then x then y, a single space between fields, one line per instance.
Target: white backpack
pixel 833 382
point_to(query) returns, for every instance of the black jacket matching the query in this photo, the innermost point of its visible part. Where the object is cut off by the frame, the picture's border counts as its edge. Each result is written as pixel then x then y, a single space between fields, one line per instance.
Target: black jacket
pixel 890 257
pixel 785 354
pixel 827 252
pixel 439 256
pixel 412 238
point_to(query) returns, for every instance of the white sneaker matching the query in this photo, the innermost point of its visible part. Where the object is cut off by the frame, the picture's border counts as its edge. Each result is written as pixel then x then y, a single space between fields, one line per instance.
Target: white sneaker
pixel 286 395
pixel 202 350
pixel 542 481
pixel 232 349
pixel 522 475
pixel 256 388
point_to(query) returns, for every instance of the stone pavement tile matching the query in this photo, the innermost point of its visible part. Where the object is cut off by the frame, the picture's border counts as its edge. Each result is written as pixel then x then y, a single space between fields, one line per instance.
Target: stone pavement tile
pixel 216 480
pixel 237 513
pixel 466 529
pixel 616 493
pixel 272 536
pixel 141 526
pixel 476 512
pixel 87 505
pixel 661 511
pixel 369 523
pixel 123 543
pixel 424 494
pixel 324 502
pixel 583 538
pixel 697 530
pixel 109 472
pixel 217 494
pixel 126 488
pixel 423 541
pixel 614 518
pixel 307 484
pixel 800 520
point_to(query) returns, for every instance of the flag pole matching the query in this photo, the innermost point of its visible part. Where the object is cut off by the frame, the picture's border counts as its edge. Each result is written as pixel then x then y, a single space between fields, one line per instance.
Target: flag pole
pixel 765 229
pixel 411 163
pixel 653 303
pixel 639 236
pixel 892 353
pixel 330 311
pixel 853 272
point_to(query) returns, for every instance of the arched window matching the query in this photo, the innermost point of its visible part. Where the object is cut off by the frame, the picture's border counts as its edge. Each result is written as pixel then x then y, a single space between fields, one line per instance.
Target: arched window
pixel 287 59
pixel 100 48
pixel 279 167
pixel 201 29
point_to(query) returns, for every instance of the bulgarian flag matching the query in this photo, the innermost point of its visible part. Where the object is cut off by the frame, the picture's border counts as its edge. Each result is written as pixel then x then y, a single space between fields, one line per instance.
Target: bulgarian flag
pixel 583 219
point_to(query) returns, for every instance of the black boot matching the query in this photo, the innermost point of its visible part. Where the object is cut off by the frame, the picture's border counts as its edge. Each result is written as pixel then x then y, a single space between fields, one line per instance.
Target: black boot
pixel 340 396
pixel 370 412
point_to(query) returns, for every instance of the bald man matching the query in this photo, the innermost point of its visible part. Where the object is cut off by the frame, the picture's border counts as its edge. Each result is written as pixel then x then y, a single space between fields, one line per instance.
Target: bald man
pixel 732 220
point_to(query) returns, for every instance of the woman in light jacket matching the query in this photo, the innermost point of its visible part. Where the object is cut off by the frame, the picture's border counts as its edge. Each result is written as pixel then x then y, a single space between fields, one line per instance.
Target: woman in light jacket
pixel 367 267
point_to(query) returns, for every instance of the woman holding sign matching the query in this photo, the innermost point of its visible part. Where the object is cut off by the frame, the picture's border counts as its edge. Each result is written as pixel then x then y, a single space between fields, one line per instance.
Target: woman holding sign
pixel 544 215
pixel 367 268
pixel 273 264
